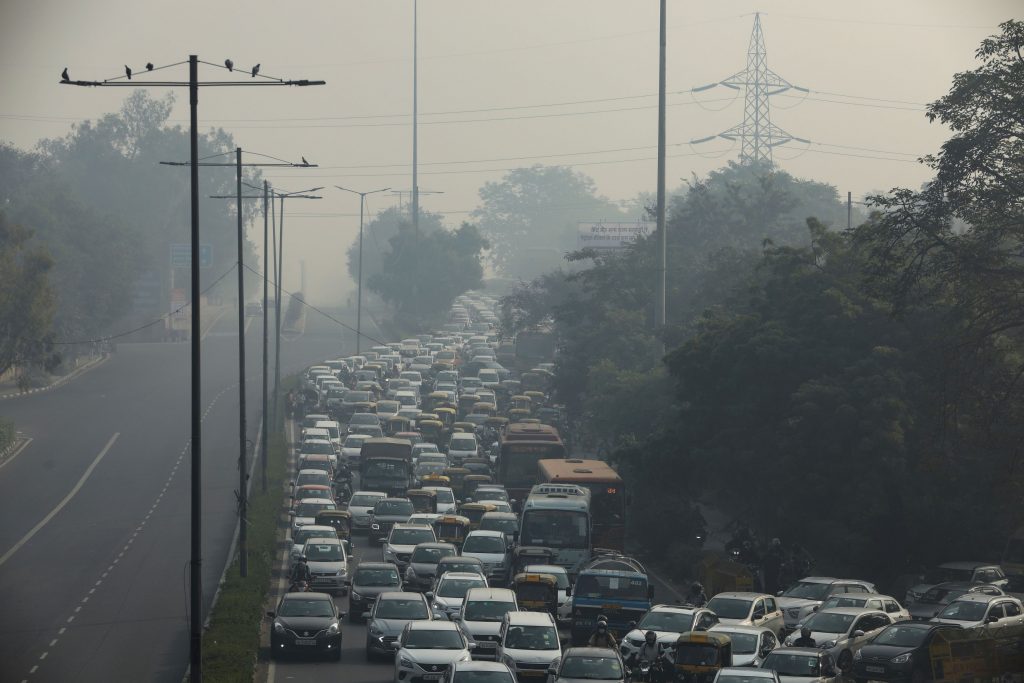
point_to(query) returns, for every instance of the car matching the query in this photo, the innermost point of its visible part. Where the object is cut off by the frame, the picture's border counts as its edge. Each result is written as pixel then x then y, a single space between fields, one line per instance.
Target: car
pixel 461 564
pixel 427 648
pixel 333 431
pixel 306 623
pixel 899 652
pixel 360 505
pixel 311 491
pixel 352 447
pixel 479 672
pixel 450 590
pixel 419 574
pixel 977 609
pixel 491 548
pixel 427 518
pixel 370 579
pixel 324 462
pixel 588 664
pixel 328 564
pixel 885 603
pixel 445 499
pixel 505 522
pixel 306 510
pixel 386 513
pixel 461 446
pixel 426 447
pixel 667 622
pixel 403 539
pixel 528 643
pixel 937 597
pixel 750 644
pixel 357 420
pixel 742 674
pixel 979 572
pixel 562 583
pixel 842 631
pixel 388 407
pixel 312 418
pixel 320 477
pixel 490 493
pixel 800 599
pixel 802 665
pixel 390 612
pixel 480 617
pixel 748 609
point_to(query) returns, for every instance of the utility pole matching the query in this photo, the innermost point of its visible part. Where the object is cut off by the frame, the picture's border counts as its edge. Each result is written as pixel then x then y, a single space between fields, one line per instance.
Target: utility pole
pixel 415 126
pixel 359 297
pixel 849 210
pixel 196 416
pixel 659 309
pixel 266 425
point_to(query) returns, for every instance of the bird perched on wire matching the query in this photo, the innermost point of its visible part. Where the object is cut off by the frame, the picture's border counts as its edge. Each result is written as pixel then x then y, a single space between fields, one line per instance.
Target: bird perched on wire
pixel 149 66
pixel 229 64
pixel 64 75
pixel 255 70
pixel 304 161
pixel 128 72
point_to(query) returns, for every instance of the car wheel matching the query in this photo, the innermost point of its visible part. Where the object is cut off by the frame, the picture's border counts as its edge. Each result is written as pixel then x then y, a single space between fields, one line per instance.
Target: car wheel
pixel 845 661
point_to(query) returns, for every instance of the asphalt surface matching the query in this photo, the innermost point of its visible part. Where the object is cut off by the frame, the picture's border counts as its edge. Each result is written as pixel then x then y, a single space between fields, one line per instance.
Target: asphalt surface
pixel 94 511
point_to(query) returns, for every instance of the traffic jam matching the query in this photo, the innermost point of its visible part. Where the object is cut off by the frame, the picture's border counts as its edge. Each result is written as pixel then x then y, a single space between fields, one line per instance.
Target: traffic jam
pixel 436 502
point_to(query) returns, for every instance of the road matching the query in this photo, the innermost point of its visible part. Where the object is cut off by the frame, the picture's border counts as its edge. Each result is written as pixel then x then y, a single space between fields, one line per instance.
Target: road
pixel 94 512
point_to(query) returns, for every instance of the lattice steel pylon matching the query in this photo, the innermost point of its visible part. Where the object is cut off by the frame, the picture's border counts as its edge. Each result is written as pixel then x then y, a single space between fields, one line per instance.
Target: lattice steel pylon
pixel 757 134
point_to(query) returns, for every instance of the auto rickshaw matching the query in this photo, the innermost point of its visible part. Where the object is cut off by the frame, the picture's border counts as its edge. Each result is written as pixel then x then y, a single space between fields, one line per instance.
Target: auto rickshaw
pixel 536 592
pixel 537 398
pixel 479 466
pixel 521 402
pixel 432 430
pixel 529 421
pixel 484 408
pixel 475 511
pixel 395 424
pixel 467 427
pixel 519 414
pixel 423 500
pixel 456 475
pixel 435 480
pixel 341 520
pixel 447 416
pixel 425 416
pixel 525 555
pixel 451 529
pixel 466 403
pixel 698 655
pixel 496 423
pixel 513 386
pixel 410 436
pixel 434 399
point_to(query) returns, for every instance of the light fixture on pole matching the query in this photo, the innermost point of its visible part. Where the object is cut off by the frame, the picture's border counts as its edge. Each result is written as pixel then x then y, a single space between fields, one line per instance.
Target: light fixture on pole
pixel 359 296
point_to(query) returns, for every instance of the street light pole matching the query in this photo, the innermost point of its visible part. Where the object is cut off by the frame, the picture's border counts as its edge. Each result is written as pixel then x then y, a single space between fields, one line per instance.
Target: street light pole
pixel 243 468
pixel 660 304
pixel 359 296
pixel 266 425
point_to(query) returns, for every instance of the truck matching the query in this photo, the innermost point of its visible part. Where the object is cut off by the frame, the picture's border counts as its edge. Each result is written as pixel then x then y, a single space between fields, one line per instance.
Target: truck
pixel 615 586
pixel 386 465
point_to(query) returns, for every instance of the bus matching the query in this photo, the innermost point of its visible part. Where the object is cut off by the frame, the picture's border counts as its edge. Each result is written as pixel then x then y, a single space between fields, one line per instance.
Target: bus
pixel 557 516
pixel 607 495
pixel 521 447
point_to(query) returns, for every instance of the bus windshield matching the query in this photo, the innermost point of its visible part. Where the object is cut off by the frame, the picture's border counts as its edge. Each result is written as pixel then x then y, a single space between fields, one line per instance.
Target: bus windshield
pixel 518 462
pixel 556 528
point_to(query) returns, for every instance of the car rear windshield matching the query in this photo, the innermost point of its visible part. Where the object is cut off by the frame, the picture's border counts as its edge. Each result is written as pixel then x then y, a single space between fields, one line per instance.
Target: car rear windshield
pixel 487 610
pixel 411 536
pixel 591 668
pixel 940 596
pixel 964 610
pixel 393 507
pixel 730 608
pixel 363 500
pixel 674 622
pixel 377 577
pixel 828 622
pixel 743 643
pixel 361 418
pixel 483 544
pixel 463 444
pixel 792 665
pixel 402 608
pixel 456 588
pixel 310 509
pixel 317 448
pixel 430 555
pixel 901 636
pixel 324 552
pixel 508 526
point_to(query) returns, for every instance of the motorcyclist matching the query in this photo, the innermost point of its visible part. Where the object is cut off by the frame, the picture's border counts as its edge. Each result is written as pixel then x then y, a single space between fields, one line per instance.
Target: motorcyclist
pixel 650 652
pixel 696 595
pixel 301 572
pixel 602 637
pixel 805 639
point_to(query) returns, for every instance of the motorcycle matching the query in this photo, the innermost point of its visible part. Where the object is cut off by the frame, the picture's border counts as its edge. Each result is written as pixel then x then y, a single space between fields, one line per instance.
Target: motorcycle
pixel 641 673
pixel 300 586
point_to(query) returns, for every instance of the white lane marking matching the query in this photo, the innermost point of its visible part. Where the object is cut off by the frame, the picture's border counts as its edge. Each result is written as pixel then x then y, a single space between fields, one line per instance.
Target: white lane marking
pixel 60 506
pixel 18 450
pixel 53 642
pixel 71 618
pixel 43 656
pixel 61 631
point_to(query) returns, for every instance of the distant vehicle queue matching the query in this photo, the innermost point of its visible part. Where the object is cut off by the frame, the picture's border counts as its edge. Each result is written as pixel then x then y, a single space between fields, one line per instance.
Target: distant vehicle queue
pixel 495 542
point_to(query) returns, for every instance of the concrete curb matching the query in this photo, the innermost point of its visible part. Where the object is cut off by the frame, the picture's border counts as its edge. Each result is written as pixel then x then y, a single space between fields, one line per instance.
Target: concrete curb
pixel 88 365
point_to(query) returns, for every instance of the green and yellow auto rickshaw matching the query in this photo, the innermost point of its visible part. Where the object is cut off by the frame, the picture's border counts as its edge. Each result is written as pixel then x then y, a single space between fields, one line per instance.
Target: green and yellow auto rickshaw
pixel 519 415
pixel 456 475
pixel 536 592
pixel 423 500
pixel 474 512
pixel 446 415
pixel 471 481
pixel 451 529
pixel 521 402
pixel 698 655
pixel 341 522
pixel 396 424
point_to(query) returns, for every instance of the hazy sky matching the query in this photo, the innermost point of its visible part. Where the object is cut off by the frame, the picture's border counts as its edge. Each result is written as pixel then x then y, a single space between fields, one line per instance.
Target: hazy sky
pixel 505 84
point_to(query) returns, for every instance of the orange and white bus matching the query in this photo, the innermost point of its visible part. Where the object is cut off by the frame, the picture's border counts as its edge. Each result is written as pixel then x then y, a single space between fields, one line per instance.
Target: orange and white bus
pixel 607 495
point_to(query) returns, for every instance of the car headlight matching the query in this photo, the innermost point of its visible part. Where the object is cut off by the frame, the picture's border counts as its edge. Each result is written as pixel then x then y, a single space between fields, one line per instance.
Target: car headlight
pixel 901 659
pixel 465 657
pixel 333 628
pixel 278 627
pixel 355 596
pixel 406 662
pixel 375 526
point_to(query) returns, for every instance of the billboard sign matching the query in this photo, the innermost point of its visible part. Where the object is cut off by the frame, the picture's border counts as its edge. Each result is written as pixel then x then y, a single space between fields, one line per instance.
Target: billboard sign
pixel 181 256
pixel 609 234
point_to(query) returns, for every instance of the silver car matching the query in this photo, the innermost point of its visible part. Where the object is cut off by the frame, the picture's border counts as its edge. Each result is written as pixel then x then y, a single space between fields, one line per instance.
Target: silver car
pixel 451 589
pixel 390 613
pixel 361 505
pixel 480 617
pixel 842 631
pixel 748 609
pixel 328 565
pixel 800 599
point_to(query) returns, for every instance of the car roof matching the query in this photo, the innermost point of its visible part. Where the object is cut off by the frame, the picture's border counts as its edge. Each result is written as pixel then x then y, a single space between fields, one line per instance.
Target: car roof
pixel 410 525
pixel 319 527
pixel 479 665
pixel 545 569
pixel 860 596
pixel 316 500
pixel 370 493
pixel 486 532
pixel 437 544
pixel 675 608
pixel 300 595
pixel 529 618
pixel 966 565
pixel 326 540
pixel 460 558
pixel 818 579
pixel 377 565
pixel 741 595
pixel 459 575
pixel 400 595
pixel 979 597
pixel 730 628
pixel 487 593
pixel 748 672
pixel 433 625
pixel 602 652
pixel 804 651
pixel 499 514
pixel 856 611
pixel 310 471
pixel 358 436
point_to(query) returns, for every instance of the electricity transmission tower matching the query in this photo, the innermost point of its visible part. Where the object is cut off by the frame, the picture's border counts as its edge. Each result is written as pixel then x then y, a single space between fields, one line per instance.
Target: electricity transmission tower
pixel 757 134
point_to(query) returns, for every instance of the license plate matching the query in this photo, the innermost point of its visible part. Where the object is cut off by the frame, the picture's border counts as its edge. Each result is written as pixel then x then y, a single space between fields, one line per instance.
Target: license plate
pixel 305 641
pixel 431 677
pixel 875 669
pixel 533 674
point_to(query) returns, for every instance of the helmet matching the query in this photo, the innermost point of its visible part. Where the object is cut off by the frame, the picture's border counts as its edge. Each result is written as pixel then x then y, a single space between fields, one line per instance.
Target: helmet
pixel 805 632
pixel 695 587
pixel 602 626
pixel 776 542
pixel 602 619
pixel 651 637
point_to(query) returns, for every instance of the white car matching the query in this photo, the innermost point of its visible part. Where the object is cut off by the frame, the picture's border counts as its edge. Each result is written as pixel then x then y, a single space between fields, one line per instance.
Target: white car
pixel 307 533
pixel 445 499
pixel 883 603
pixel 564 613
pixel 328 564
pixel 426 447
pixel 427 648
pixel 667 622
pixel 450 590
pixel 351 448
pixel 750 644
pixel 491 548
pixel 333 431
pixel 528 643
pixel 403 539
pixel 802 665
pixel 748 609
pixel 800 599
pixel 318 447
pixel 361 504
pixel 307 509
pixel 842 631
pixel 977 609
pixel 480 618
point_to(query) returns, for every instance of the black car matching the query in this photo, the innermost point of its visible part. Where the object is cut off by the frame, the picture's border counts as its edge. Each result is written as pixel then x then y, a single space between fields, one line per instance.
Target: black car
pixel 306 623
pixel 898 653
pixel 370 580
pixel 937 597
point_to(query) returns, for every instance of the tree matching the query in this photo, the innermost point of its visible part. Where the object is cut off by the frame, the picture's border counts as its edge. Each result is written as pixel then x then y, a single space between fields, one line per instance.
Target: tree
pixel 530 217
pixel 27 300
pixel 377 236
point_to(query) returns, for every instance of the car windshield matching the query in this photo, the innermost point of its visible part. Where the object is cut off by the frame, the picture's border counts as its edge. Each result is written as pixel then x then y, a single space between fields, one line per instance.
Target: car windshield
pixel 310 509
pixel 306 607
pixel 358 397
pixel 944 574
pixel 792 664
pixel 487 610
pixel 324 552
pixel 393 507
pixel 668 620
pixel 401 608
pixel 425 468
pixel 483 544
pixel 939 595
pixel 433 640
pixel 556 528
pixel 807 591
pixel 354 442
pixel 318 477
pixel 411 536
pixel 444 496
pixel 901 636
pixel 491 494
pixel 317 448
pixel 844 601
pixel 363 500
pixel 591 668
pixel 430 555
pixel 531 638
pixel 830 622
pixel 964 610
pixel 743 643
pixel 302 536
pixel 456 588
pixel 730 608
pixel 463 444
pixel 377 577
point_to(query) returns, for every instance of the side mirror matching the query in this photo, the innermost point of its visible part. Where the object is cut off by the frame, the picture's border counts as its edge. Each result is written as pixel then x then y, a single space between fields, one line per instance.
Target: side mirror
pixel 758 615
pixel 429 595
pixel 991 619
pixel 471 646
pixel 857 634
pixel 365 615
pixel 779 594
pixel 394 645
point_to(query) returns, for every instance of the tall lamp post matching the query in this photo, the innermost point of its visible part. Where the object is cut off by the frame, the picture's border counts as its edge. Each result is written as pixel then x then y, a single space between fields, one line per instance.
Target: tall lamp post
pixel 196 417
pixel 359 296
